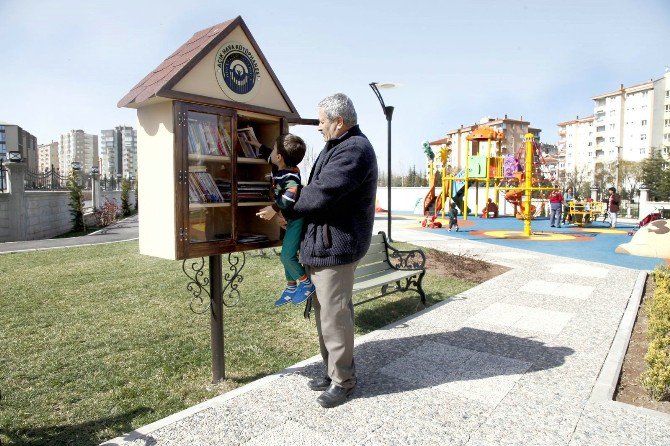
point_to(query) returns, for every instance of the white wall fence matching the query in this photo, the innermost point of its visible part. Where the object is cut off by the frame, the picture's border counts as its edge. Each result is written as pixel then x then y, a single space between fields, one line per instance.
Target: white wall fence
pixel 34 215
pixel 410 199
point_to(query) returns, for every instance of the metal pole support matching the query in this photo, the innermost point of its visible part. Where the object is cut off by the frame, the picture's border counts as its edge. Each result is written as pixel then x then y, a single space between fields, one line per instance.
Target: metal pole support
pixel 216 294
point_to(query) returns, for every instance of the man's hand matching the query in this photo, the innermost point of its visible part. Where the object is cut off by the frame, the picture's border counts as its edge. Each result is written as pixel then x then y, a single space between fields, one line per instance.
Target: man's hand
pixel 282 221
pixel 267 213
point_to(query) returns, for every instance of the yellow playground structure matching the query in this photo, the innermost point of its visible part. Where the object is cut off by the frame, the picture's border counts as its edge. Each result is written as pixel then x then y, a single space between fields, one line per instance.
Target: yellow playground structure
pixel 584 212
pixel 518 176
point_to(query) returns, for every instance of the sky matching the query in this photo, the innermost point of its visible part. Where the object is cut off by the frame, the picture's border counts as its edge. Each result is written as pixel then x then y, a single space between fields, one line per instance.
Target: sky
pixel 65 65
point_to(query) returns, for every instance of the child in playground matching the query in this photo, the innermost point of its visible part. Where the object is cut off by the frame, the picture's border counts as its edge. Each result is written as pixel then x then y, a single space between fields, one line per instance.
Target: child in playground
pixel 287 153
pixel 453 216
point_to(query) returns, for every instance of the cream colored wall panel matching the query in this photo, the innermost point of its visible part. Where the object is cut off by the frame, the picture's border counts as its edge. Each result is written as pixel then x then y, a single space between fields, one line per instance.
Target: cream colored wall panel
pixel 156 176
pixel 201 80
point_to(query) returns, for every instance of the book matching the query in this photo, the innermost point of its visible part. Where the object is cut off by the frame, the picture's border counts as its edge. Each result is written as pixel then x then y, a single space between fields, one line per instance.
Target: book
pixel 251 135
pixel 225 137
pixel 247 149
pixel 202 186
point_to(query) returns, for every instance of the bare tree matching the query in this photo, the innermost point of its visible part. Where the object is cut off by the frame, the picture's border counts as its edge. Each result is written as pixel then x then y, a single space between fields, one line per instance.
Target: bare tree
pixel 579 180
pixel 631 177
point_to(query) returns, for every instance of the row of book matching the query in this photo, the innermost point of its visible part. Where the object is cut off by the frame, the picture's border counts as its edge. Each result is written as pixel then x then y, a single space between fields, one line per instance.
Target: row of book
pixel 206 138
pixel 203 188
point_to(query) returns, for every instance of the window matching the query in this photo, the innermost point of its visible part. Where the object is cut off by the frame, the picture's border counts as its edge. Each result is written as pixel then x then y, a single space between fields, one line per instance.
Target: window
pixel 667 93
pixel 612 112
pixel 643 136
pixel 611 138
pixel 600 128
pixel 643 151
pixel 667 123
pixel 644 122
pixel 590 144
pixel 612 126
pixel 667 107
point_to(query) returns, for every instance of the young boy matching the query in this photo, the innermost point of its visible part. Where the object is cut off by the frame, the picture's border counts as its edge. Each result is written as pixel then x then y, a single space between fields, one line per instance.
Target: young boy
pixel 453 216
pixel 287 153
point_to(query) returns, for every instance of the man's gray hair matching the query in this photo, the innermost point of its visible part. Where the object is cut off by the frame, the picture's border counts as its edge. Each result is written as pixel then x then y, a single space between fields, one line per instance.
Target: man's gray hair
pixel 339 104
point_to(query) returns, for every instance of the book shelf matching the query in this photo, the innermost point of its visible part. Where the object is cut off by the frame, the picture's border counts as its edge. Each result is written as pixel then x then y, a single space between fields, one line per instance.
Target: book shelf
pixel 195 150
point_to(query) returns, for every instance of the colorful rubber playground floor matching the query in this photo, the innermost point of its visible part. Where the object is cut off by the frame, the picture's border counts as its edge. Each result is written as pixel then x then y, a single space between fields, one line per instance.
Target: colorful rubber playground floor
pixel 595 242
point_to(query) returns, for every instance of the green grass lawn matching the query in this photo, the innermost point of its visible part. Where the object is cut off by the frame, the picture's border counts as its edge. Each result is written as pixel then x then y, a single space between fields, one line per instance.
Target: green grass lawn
pixel 96 341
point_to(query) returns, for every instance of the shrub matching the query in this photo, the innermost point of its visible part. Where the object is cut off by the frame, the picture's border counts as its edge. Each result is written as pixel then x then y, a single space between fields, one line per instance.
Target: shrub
pixel 125 197
pixel 107 213
pixel 656 378
pixel 76 203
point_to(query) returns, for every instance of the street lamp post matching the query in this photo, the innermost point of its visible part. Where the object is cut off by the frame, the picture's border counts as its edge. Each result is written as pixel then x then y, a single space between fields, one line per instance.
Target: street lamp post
pixel 616 173
pixel 94 171
pixel 388 112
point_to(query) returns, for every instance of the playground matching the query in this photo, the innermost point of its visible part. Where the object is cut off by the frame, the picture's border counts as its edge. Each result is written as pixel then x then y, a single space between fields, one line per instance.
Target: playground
pixel 595 242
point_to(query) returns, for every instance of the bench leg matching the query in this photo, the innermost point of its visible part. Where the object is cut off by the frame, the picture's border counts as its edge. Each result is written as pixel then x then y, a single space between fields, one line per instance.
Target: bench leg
pixel 419 288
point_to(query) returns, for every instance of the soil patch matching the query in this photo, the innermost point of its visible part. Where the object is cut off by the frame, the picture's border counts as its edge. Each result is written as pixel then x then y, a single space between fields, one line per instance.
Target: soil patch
pixel 461 267
pixel 629 389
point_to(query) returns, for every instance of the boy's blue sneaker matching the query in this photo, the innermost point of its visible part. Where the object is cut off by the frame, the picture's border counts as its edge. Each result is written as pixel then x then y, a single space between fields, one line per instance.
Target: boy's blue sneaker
pixel 305 289
pixel 286 296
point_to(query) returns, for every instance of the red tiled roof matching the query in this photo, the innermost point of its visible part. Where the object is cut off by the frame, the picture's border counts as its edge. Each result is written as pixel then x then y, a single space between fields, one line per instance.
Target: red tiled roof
pixel 439 142
pixel 170 68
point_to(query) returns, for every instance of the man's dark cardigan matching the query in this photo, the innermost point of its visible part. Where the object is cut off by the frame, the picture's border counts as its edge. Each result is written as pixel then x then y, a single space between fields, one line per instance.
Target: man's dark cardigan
pixel 338 203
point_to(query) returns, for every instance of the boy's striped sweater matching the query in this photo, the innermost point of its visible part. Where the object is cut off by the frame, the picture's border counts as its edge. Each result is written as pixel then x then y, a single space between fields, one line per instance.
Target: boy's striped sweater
pixel 286 184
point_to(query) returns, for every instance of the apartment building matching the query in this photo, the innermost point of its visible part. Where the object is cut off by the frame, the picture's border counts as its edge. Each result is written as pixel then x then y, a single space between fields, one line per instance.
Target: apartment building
pixel 118 150
pixel 577 146
pixel 47 156
pixel 76 145
pixel 626 124
pixel 13 138
pixel 513 129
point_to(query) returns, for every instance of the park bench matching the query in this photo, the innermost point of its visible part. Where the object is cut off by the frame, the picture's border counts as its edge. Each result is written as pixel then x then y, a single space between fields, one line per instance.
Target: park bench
pixel 389 269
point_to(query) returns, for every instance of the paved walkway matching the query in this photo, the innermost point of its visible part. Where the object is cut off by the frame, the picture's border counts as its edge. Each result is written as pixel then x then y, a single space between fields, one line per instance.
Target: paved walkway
pixel 123 230
pixel 528 358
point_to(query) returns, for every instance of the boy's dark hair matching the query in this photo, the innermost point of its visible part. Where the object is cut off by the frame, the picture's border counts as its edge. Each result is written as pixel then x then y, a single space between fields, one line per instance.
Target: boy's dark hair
pixel 292 148
pixel 613 189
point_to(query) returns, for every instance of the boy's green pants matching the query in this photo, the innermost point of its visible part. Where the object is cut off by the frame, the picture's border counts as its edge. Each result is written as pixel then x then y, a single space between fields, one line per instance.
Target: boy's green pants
pixel 289 251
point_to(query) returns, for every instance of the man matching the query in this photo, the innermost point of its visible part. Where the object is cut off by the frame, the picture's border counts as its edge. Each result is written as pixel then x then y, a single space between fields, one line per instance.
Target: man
pixel 338 207
pixel 613 206
pixel 555 205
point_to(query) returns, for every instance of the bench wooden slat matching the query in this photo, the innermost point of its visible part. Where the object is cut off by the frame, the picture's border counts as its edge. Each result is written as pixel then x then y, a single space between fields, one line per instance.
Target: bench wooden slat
pixel 371 269
pixel 374 281
pixel 374 257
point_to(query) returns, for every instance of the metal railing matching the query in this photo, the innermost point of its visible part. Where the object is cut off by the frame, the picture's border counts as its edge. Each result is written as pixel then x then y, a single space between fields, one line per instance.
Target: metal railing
pixel 50 179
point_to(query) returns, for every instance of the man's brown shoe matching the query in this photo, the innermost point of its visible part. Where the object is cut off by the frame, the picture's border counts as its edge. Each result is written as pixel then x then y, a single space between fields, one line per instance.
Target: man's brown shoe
pixel 334 396
pixel 319 383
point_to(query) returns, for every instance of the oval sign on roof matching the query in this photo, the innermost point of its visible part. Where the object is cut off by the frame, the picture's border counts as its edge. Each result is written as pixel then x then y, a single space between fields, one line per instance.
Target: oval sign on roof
pixel 237 71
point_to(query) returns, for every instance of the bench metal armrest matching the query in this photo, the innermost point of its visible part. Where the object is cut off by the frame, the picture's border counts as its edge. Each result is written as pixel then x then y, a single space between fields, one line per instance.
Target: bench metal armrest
pixel 407 260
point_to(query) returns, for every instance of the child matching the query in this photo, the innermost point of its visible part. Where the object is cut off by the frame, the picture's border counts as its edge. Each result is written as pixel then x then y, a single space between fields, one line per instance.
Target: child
pixel 453 214
pixel 287 153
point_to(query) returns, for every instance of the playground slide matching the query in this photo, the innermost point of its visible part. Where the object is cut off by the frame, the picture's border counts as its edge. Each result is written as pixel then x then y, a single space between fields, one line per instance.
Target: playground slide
pixel 457 192
pixel 515 198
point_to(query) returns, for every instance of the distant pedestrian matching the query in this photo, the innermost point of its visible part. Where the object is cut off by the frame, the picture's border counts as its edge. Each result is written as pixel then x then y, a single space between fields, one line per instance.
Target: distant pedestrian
pixel 555 203
pixel 569 198
pixel 453 216
pixel 613 206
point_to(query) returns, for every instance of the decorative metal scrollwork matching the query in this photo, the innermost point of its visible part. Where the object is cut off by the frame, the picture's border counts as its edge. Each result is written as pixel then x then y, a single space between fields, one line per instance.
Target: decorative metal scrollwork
pixel 409 260
pixel 197 285
pixel 233 278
